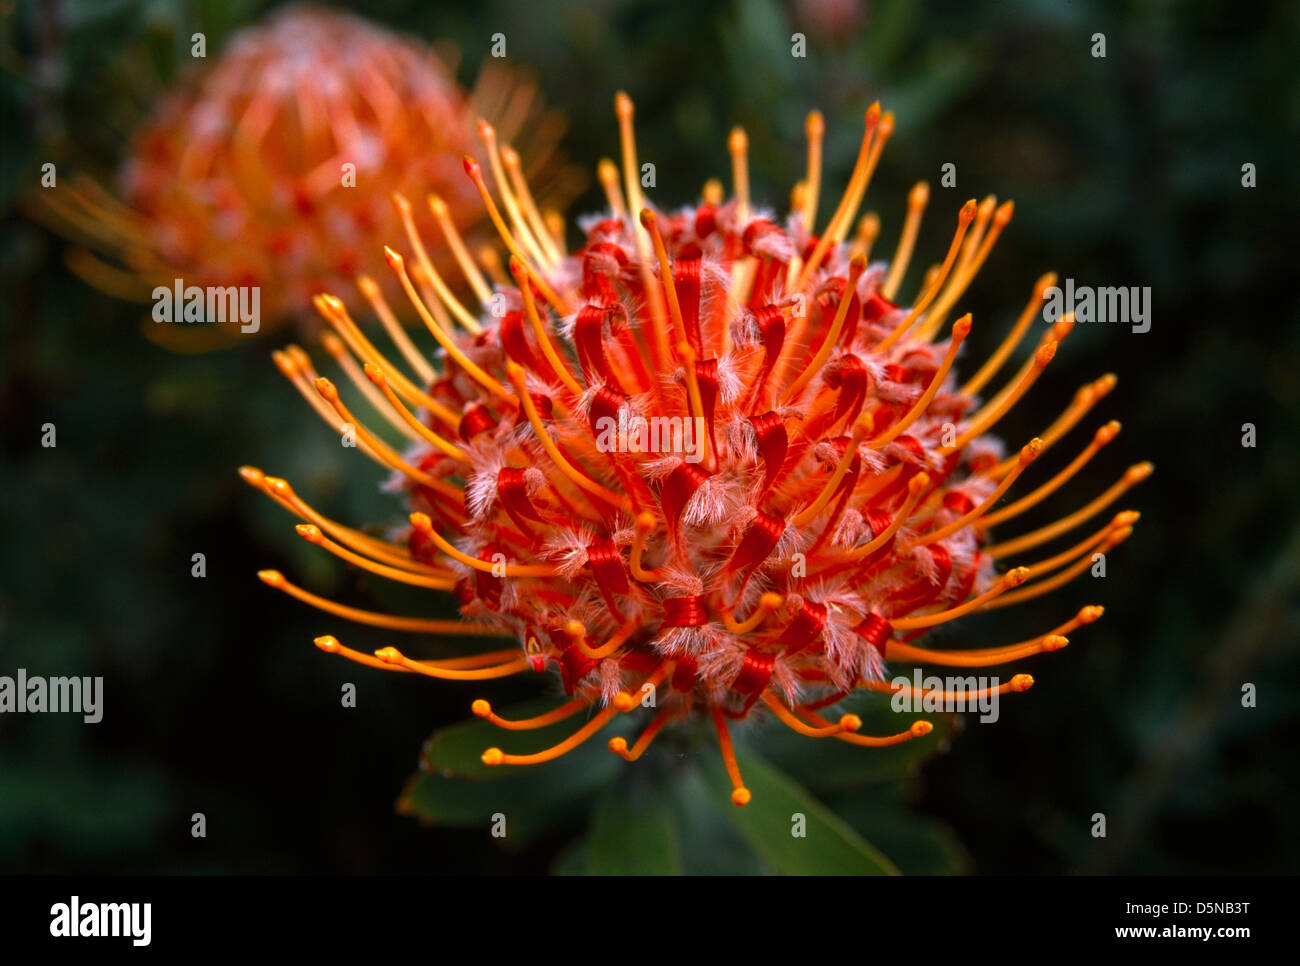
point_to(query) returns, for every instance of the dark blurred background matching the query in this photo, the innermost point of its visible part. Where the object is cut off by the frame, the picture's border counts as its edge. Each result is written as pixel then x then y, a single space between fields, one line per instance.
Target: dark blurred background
pixel 1126 170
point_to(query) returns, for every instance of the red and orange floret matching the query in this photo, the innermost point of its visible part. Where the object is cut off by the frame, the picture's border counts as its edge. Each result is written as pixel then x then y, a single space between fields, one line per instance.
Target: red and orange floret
pixel 843 499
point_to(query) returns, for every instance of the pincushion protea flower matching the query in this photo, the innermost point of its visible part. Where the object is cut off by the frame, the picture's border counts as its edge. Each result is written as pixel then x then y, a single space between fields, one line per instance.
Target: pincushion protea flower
pixel 841 506
pixel 240 177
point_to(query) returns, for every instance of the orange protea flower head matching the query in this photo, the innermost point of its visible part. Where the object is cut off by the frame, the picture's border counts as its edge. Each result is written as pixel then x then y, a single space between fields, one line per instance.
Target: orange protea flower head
pixel 274 168
pixel 709 453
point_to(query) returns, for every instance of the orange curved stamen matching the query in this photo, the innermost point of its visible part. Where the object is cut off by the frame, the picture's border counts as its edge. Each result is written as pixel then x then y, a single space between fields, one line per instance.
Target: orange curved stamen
pixel 421 431
pixel 1012 338
pixel 440 289
pixel 618 745
pixel 740 795
pixel 424 526
pixel 767 603
pixel 1131 478
pixel 917 199
pixel 934 284
pixel 416 625
pixel 1112 540
pixel 312 534
pixel 1103 436
pixel 495 756
pixel 960 329
pixel 1028 453
pixel 517 377
pixel 848 722
pixel 566 710
pixel 520 273
pixel 1012 578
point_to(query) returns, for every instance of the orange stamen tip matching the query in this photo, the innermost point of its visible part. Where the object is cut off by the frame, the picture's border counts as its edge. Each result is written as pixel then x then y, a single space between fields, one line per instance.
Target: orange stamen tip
pixel 389 655
pixel 1126 518
pixel 1022 682
pixel 919 195
pixel 308 531
pixel 618 745
pixel 393 259
pixel 517 267
pixel 857 264
pixel 647 217
pixel 645 520
pixel 485 129
pixel 277 484
pixel 1138 473
pixel 493 757
pixel 473 169
pixel 326 388
pixel 272 577
pixel 920 729
pixel 770 601
pixel 968 212
pixel 740 797
pixel 1108 432
pixel 1017 576
pixel 850 722
pixel 1045 353
pixel 961 328
pixel 399 200
pixel 1105 384
pixel 1054 642
pixel 327 643
pixel 918 482
pixel 887 124
pixel 420 520
pixel 623 105
pixel 1091 613
pixel 437 205
pixel 1029 452
pixel 252 475
pixel 737 140
pixel 284 362
pixel 481 708
pixel 624 702
pixel 816 124
pixel 1004 212
pixel 873 112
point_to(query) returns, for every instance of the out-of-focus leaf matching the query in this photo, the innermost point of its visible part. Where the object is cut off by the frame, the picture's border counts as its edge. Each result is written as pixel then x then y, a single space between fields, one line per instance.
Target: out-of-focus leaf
pixel 532 801
pixel 916 844
pixel 710 844
pixel 632 827
pixel 829 845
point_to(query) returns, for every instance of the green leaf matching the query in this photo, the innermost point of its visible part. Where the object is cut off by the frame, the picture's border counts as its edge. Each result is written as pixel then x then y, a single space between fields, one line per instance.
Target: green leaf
pixel 918 845
pixel 632 827
pixel 829 845
pixel 532 801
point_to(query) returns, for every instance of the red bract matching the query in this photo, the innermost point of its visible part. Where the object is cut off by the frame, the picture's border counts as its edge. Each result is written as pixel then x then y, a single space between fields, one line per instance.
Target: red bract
pixel 709 455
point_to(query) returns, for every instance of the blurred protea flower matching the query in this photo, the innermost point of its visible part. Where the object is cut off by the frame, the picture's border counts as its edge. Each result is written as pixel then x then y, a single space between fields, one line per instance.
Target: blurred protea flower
pixel 836 504
pixel 275 167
